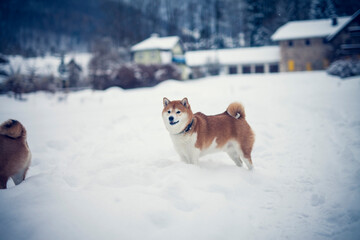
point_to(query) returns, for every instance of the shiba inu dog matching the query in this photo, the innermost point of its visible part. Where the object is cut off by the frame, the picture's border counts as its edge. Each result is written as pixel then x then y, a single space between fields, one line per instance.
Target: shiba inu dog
pixel 195 135
pixel 15 155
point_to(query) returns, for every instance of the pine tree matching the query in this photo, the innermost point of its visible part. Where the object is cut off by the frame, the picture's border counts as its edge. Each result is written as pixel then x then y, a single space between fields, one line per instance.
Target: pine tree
pixel 322 9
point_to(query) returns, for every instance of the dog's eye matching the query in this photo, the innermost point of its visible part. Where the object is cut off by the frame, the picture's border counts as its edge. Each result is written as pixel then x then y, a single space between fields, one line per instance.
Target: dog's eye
pixel 178 112
pixel 169 112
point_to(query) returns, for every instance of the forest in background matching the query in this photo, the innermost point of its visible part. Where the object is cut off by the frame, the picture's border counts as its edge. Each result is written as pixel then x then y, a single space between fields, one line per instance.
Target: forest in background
pixel 38 27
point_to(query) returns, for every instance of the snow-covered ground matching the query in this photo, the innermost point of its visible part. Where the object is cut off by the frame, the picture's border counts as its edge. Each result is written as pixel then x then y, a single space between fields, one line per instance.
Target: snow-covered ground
pixel 104 166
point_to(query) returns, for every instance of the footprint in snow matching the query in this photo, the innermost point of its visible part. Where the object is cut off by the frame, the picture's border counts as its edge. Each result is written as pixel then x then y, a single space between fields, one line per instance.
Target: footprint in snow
pixel 160 219
pixel 317 200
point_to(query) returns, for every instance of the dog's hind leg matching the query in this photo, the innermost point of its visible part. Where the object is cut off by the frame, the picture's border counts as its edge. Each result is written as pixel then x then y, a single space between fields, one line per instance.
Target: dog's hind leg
pixel 248 163
pixel 19 176
pixel 240 155
pixel 234 155
pixel 246 158
pixel 236 159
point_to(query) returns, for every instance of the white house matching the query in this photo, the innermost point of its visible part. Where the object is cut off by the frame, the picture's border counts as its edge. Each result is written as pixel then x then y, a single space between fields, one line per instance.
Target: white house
pixel 234 61
pixel 160 50
pixel 305 45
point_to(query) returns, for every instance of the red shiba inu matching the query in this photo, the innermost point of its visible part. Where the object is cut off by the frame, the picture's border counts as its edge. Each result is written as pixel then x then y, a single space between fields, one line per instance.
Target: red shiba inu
pixel 15 155
pixel 195 135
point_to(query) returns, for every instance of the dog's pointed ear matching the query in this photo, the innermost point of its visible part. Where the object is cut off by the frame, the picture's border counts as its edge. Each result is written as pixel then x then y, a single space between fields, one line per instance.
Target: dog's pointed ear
pixel 185 102
pixel 166 101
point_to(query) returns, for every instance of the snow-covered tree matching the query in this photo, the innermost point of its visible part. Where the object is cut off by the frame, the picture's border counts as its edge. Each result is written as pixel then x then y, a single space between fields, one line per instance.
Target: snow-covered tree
pixel 322 9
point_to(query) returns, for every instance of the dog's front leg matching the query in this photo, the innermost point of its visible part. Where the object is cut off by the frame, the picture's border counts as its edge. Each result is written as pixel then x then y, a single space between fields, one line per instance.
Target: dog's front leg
pixel 184 158
pixel 194 160
pixel 190 158
pixel 194 157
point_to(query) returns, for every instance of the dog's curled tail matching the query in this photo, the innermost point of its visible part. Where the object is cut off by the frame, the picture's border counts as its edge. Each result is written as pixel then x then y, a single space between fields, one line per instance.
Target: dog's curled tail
pixel 12 128
pixel 236 110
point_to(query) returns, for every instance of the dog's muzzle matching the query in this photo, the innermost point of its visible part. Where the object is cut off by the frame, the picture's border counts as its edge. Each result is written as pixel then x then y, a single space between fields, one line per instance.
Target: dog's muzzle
pixel 171 120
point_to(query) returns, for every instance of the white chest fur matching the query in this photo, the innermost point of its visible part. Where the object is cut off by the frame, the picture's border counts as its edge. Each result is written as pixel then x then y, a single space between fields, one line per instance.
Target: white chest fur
pixel 185 146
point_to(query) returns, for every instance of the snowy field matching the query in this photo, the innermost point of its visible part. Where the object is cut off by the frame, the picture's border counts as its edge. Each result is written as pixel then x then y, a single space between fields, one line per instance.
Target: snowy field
pixel 104 166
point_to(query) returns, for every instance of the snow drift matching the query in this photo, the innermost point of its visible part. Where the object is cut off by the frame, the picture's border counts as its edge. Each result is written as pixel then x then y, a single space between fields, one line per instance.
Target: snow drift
pixel 104 166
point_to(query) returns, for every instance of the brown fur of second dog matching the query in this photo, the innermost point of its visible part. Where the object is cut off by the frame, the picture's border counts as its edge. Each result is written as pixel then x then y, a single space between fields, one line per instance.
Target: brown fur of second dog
pixel 15 155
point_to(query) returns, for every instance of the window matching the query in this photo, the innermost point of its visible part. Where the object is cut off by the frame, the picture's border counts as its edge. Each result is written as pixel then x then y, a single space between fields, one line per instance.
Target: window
pixel 246 69
pixel 233 70
pixel 274 68
pixel 290 43
pixel 307 42
pixel 291 65
pixel 259 69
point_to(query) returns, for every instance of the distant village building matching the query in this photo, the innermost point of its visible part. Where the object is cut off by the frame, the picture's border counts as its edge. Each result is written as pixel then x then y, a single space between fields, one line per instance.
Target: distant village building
pixel 303 46
pixel 70 74
pixel 346 40
pixel 314 44
pixel 234 61
pixel 160 50
pixel 74 73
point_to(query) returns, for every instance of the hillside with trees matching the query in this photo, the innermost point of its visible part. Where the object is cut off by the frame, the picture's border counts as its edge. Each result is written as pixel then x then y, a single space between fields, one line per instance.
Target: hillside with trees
pixel 37 27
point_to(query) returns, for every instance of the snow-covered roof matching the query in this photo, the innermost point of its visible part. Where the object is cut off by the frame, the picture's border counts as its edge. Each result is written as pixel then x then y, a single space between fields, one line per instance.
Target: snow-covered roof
pixel 352 18
pixel 308 29
pixel 156 42
pixel 236 56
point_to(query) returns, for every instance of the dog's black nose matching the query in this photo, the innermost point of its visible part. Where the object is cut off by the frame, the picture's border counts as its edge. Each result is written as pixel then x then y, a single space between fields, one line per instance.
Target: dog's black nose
pixel 171 118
